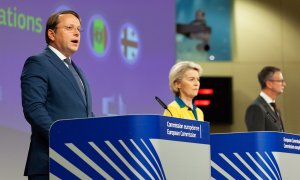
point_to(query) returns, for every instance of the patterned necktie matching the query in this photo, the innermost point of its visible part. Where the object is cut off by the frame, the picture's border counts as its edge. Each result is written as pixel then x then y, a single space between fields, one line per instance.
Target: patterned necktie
pixel 278 115
pixel 275 108
pixel 77 78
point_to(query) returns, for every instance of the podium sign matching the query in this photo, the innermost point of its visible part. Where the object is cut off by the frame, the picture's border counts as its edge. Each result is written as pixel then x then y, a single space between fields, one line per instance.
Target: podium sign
pixel 255 155
pixel 130 147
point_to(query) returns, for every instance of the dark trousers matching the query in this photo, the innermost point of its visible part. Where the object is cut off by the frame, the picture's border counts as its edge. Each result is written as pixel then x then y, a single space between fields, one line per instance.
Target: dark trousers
pixel 38 177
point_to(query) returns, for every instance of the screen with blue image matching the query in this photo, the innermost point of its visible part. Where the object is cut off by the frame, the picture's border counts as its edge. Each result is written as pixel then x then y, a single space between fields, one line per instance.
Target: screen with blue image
pixel 203 30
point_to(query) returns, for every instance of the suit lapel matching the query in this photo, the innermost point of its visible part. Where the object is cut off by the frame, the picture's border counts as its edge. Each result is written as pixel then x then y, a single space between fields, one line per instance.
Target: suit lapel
pixel 53 58
pixel 86 86
pixel 267 108
pixel 277 118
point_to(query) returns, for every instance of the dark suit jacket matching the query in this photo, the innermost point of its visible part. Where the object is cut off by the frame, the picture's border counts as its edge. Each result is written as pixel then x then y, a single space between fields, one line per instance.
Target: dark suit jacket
pixel 49 93
pixel 260 117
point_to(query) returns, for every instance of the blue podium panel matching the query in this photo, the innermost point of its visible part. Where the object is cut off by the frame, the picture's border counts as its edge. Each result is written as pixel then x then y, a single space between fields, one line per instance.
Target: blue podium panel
pixel 255 155
pixel 130 147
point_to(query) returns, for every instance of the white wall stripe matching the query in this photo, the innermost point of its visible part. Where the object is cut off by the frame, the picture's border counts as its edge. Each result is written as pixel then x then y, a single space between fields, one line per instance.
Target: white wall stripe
pixel 234 166
pixel 161 172
pixel 256 163
pixel 123 160
pixel 267 165
pixel 220 170
pixel 89 161
pixel 53 177
pixel 67 165
pixel 149 162
pixel 101 153
pixel 273 164
pixel 247 165
pixel 136 159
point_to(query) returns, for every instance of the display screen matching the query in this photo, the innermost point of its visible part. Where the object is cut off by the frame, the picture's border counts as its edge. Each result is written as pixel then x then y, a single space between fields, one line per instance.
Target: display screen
pixel 127 49
pixel 215 99
pixel 203 30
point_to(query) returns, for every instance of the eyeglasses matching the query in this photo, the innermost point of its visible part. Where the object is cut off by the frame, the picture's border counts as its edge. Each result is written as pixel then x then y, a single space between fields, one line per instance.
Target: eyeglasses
pixel 71 28
pixel 280 81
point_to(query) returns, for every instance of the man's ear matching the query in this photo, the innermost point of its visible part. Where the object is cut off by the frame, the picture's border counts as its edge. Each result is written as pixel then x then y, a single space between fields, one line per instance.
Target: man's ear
pixel 51 34
pixel 268 84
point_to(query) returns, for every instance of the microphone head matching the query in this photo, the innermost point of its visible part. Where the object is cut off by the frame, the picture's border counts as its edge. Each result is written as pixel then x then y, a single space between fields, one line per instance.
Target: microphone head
pixel 163 104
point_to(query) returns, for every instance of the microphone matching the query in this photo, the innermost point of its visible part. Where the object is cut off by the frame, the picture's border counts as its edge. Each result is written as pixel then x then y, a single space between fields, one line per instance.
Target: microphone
pixel 163 104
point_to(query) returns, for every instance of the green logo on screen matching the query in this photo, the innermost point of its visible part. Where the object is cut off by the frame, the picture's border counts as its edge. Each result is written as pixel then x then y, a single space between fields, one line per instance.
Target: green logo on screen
pixel 99 36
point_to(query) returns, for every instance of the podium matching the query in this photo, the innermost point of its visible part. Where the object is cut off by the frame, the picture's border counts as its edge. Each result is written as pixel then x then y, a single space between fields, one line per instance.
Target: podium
pixel 130 147
pixel 255 155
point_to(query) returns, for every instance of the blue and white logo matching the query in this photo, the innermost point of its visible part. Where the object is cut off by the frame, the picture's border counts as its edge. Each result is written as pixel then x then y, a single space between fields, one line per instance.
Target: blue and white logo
pixel 130 44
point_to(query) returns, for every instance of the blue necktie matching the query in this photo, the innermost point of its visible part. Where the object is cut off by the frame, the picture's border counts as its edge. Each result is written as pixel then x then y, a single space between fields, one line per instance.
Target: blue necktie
pixel 77 78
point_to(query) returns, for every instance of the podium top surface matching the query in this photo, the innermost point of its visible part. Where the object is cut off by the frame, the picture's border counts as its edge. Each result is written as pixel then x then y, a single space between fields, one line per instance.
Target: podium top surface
pixel 131 127
pixel 256 141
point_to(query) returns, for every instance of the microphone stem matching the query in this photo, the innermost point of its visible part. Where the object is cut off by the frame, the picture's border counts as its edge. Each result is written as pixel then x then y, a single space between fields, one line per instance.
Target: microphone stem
pixel 170 112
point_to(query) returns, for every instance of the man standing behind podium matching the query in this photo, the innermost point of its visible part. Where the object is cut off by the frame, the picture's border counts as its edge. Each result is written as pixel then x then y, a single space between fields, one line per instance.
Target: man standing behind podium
pixel 51 90
pixel 262 114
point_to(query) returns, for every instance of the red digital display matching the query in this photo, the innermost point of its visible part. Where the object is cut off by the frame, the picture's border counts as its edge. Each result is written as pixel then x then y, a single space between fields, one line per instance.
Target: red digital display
pixel 206 91
pixel 215 99
pixel 202 102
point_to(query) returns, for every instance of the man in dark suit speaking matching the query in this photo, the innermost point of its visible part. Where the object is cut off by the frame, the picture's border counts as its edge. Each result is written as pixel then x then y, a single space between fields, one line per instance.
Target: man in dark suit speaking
pixel 262 114
pixel 53 88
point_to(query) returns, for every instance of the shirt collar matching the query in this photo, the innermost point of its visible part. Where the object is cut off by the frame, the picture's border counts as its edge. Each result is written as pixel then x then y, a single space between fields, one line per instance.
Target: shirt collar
pixel 182 104
pixel 59 54
pixel 266 97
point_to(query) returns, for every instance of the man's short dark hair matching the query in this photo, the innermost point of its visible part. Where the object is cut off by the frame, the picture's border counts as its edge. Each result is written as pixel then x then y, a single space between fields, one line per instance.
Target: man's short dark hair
pixel 266 74
pixel 53 21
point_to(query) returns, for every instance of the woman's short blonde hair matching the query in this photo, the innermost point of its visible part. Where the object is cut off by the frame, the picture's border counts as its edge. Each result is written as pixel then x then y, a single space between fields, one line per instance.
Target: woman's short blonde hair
pixel 177 72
